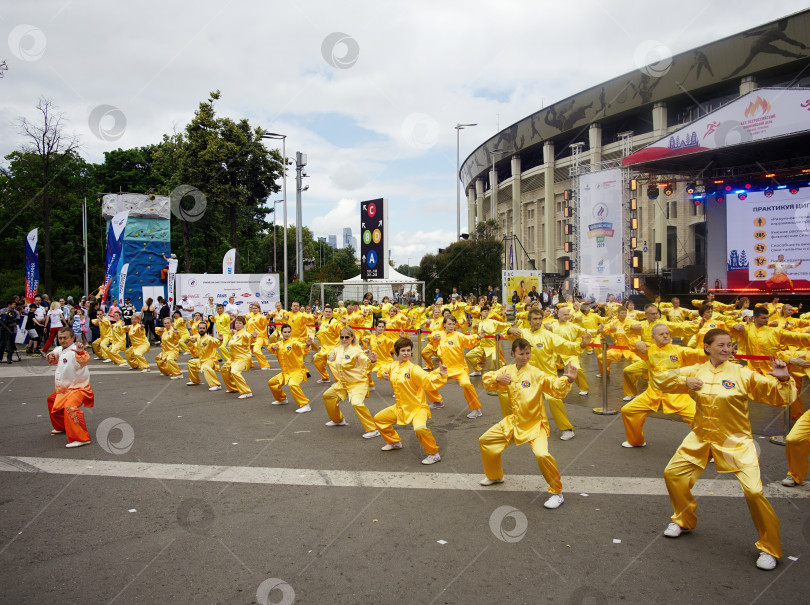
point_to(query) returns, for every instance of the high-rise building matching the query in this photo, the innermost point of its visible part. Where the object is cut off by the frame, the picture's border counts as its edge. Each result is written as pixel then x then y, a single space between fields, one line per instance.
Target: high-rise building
pixel 354 245
pixel 347 237
pixel 333 241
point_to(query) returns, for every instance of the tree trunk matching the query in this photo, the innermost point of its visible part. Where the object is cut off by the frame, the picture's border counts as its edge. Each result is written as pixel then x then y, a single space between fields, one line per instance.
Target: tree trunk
pixel 186 246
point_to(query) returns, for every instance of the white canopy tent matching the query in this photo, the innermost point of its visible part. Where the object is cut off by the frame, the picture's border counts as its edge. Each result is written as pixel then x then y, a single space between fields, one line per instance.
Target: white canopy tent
pixel 396 286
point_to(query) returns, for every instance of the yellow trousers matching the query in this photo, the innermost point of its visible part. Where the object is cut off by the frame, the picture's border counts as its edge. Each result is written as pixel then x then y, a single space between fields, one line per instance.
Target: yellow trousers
pixel 167 364
pixel 798 448
pixel 475 357
pixel 387 418
pixel 499 437
pixel 209 370
pixel 232 375
pixel 635 413
pixel 427 354
pixel 681 474
pixel 631 375
pixel 223 349
pixel 257 353
pixel 183 346
pixel 101 346
pixel 293 381
pixel 135 357
pixel 319 360
pixel 356 394
pixel 557 410
pixel 470 395
pixel 113 354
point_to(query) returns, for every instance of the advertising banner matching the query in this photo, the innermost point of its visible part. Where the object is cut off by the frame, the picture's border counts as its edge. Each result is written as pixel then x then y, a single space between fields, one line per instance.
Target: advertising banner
pixel 31 266
pixel 374 239
pixel 597 287
pixel 229 262
pixel 115 235
pixel 122 283
pixel 600 223
pixel 170 279
pixel 246 287
pixel 520 283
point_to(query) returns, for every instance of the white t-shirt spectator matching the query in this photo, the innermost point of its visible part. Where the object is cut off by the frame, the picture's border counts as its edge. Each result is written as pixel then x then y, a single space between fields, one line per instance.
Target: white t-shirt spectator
pixel 56 319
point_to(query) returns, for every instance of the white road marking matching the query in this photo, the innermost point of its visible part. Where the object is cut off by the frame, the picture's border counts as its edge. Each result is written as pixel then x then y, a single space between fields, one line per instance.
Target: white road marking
pixel 638 486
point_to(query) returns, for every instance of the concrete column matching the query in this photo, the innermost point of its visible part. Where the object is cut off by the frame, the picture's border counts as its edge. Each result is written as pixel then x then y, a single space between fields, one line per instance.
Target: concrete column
pixel 595 145
pixel 517 217
pixel 479 201
pixel 659 116
pixel 747 84
pixel 471 210
pixel 493 194
pixel 550 250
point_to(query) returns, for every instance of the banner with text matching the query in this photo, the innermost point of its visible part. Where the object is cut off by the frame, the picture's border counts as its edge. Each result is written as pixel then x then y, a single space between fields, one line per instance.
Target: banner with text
pixel 374 239
pixel 600 223
pixel 246 287
pixel 31 266
pixel 229 262
pixel 597 287
pixel 520 283
pixel 115 236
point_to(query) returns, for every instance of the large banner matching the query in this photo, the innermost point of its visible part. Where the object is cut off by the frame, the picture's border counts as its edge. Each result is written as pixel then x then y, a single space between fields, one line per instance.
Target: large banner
pixel 374 239
pixel 520 283
pixel 767 239
pixel 122 282
pixel 115 235
pixel 246 287
pixel 597 287
pixel 31 266
pixel 170 279
pixel 229 262
pixel 600 223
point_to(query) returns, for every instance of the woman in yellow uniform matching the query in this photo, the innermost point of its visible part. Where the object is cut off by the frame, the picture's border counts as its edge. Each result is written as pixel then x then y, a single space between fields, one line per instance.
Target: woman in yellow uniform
pixel 410 383
pixel 167 358
pixel 239 347
pixel 350 367
pixel 118 342
pixel 381 343
pixel 618 328
pixel 450 347
pixel 182 327
pixel 102 343
pixel 722 430
pixel 328 336
pixel 290 352
pixel 204 348
pixel 257 322
pixel 527 423
pixel 433 325
pixel 487 349
pixel 139 345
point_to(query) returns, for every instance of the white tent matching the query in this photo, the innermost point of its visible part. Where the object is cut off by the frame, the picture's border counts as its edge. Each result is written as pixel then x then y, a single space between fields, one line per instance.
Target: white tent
pixel 395 285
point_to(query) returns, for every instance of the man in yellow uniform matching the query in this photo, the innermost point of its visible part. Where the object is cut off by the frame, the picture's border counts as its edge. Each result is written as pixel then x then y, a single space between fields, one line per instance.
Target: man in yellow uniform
pixel 328 336
pixel 618 329
pixel 257 322
pixel 676 313
pixel 118 341
pixel 572 333
pixel 524 385
pixel 434 325
pixel 169 350
pixel 139 345
pixel 758 338
pixel 546 346
pixel 450 346
pixel 660 356
pixel 298 321
pixel 222 321
pixel 204 349
pixel 590 320
pixel 487 348
pixel 103 342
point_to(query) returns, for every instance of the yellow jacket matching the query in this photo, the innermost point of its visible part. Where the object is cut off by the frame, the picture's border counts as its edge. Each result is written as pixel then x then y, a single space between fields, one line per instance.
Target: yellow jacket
pixel 546 346
pixel 205 348
pixel 451 350
pixel 239 345
pixel 663 359
pixel 223 323
pixel 169 340
pixel 290 355
pixel 350 365
pixel 137 336
pixel 119 334
pixel 409 383
pixel 329 333
pixel 258 322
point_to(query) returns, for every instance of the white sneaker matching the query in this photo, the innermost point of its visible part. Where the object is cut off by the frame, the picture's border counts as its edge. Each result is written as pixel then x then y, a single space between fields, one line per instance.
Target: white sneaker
pixel 432 458
pixel 323 380
pixel 303 409
pixel 265 368
pixel 214 388
pixel 58 432
pixel 475 414
pixel 474 374
pixel 487 481
pixel 766 561
pixel 105 361
pixel 371 434
pixel 787 481
pixel 555 501
pixel 599 376
pixel 436 405
pixel 332 423
pixel 583 393
pixel 426 368
pixel 78 443
pixel 245 396
pixel 191 384
pixel 567 435
pixel 628 397
pixel 372 389
pixel 176 377
pixel 282 402
pixel 392 446
pixel 145 371
pixel 97 358
pixel 627 444
pixel 674 530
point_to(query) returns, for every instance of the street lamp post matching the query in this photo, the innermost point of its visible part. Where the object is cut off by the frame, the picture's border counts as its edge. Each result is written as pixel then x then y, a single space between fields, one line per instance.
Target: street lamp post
pixel 459 128
pixel 493 185
pixel 275 265
pixel 283 137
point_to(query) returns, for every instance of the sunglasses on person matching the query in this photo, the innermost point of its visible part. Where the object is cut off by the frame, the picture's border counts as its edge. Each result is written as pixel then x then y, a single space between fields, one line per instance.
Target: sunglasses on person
pixel 345 338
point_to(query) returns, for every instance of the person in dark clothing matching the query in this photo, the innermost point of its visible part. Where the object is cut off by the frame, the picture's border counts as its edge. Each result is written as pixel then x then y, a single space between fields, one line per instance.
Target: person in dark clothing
pixel 9 317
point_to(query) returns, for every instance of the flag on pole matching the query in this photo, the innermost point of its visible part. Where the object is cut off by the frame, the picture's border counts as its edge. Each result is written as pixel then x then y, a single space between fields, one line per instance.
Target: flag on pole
pixel 122 282
pixel 229 262
pixel 115 236
pixel 31 266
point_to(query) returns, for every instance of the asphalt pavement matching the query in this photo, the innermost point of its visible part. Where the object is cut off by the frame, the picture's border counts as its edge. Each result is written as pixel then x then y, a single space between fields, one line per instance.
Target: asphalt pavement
pixel 191 496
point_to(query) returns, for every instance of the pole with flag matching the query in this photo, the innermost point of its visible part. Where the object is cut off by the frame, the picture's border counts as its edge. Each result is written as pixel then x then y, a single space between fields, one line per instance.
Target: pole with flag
pixel 115 236
pixel 31 266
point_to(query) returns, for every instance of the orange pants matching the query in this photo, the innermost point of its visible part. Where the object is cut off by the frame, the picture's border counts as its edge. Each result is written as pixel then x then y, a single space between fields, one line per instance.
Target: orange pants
pixel 387 418
pixel 66 414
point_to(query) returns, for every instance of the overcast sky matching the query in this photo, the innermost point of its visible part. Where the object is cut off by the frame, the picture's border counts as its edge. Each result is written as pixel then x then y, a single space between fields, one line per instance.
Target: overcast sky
pixel 370 91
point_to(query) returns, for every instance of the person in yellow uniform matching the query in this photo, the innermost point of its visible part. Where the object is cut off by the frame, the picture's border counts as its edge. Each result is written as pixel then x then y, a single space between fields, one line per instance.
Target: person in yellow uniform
pixel 290 352
pixel 450 346
pixel 102 343
pixel 368 310
pixel 705 322
pixel 257 322
pixel 222 321
pixel 204 348
pixel 182 327
pixel 410 384
pixel 350 366
pixel 527 423
pixel 676 313
pixel 660 356
pixel 487 348
pixel 618 329
pixel 395 320
pixel 381 343
pixel 118 341
pixel 328 336
pixel 722 429
pixel 298 321
pixel 459 310
pixel 433 325
pixel 572 333
pixel 139 345
pixel 169 350
pixel 591 320
pixel 240 349
pixel 758 338
pixel 546 347
pixel 797 441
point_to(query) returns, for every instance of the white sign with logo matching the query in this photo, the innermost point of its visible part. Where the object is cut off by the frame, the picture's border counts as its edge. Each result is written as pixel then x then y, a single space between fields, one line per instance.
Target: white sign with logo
pixel 247 288
pixel 597 287
pixel 600 223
